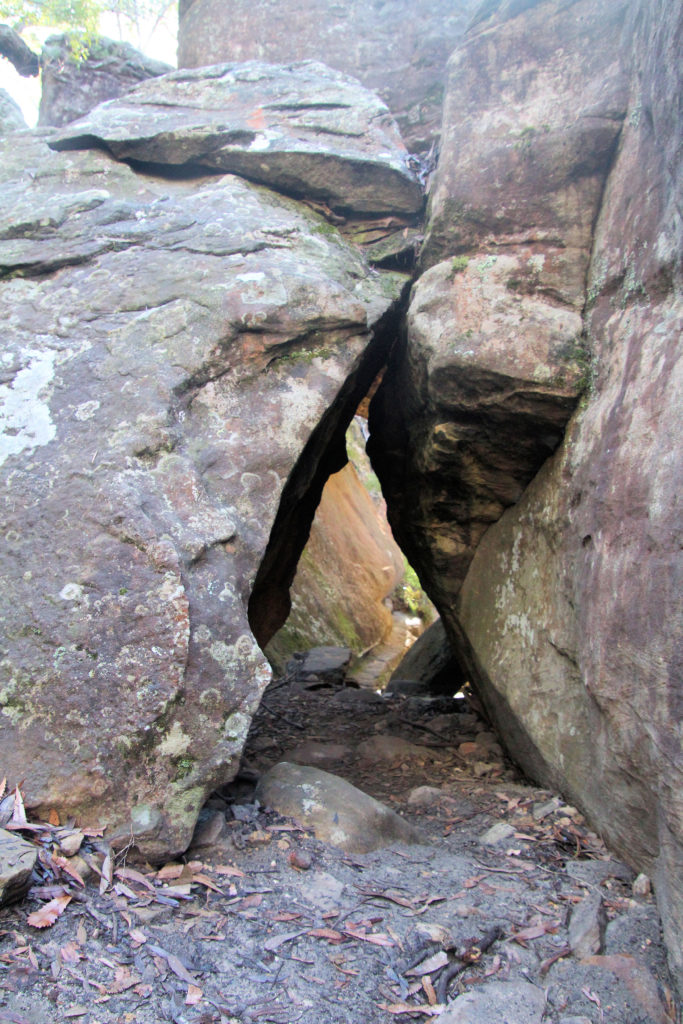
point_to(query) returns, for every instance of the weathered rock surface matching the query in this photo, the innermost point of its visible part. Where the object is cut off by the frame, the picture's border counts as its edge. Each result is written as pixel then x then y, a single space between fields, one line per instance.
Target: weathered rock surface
pixel 72 87
pixel 348 568
pixel 11 117
pixel 397 52
pixel 569 623
pixel 573 606
pixel 517 1002
pixel 17 860
pixel 533 109
pixel 170 349
pixel 302 128
pixel 336 811
pixel 469 410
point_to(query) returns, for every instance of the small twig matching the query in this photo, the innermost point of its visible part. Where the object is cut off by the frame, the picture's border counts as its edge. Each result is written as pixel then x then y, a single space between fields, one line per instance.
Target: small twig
pixel 278 714
pixel 500 871
pixel 469 956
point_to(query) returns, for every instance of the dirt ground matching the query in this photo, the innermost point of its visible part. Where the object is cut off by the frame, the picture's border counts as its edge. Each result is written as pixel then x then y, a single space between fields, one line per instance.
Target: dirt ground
pixel 262 922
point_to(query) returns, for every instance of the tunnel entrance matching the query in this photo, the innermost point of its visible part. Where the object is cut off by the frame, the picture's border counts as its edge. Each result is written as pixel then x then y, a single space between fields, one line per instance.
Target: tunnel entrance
pixel 353 589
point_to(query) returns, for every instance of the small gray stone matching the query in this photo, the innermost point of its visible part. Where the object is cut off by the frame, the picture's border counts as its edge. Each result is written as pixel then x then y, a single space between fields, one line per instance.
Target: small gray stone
pixel 541 811
pixel 498 833
pixel 209 829
pixel 17 859
pixel 517 1002
pixel 336 811
pixel 642 886
pixel 587 927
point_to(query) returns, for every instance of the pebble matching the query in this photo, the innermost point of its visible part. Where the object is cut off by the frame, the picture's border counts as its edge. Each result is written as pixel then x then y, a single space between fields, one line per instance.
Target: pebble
pixel 587 927
pixel 642 886
pixel 498 833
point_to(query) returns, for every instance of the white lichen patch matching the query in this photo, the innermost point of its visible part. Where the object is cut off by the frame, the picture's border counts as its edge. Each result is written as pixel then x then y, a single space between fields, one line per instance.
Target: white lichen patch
pixel 86 411
pixel 25 420
pixel 236 727
pixel 71 592
pixel 175 743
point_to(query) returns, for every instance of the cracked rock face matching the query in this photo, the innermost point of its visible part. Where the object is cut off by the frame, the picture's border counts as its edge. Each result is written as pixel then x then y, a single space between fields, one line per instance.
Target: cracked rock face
pixel 169 348
pixel 302 129
pixel 572 608
pixel 559 174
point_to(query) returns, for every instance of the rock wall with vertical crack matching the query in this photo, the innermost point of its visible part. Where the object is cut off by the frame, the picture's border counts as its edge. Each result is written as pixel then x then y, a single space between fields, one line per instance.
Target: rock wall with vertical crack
pixel 555 228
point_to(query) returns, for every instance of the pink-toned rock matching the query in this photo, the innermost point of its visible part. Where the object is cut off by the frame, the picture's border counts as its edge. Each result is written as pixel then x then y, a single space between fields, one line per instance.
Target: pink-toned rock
pixel 532 113
pixel 349 566
pixel 573 608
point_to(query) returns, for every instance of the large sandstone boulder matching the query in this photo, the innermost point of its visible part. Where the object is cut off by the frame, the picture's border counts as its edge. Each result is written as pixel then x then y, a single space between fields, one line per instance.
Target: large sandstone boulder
pixel 470 409
pixel 396 49
pixel 181 359
pixel 533 108
pixel 72 84
pixel 302 129
pixel 561 166
pixel 573 608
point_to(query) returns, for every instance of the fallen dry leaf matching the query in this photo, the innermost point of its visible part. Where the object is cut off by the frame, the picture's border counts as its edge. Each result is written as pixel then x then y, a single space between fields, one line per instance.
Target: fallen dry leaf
pixel 414 1011
pixel 174 963
pixel 107 874
pixel 429 990
pixel 228 869
pixel 376 938
pixel 170 871
pixel 535 931
pixel 63 864
pixel 70 953
pixel 18 811
pixel 275 941
pixel 194 995
pixel 428 966
pixel 326 933
pixel 202 879
pixel 131 875
pixel 47 915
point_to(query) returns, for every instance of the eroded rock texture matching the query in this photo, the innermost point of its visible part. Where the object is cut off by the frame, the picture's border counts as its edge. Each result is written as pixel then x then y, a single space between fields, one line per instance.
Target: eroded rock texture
pixel 302 129
pixel 171 347
pixel 393 49
pixel 569 621
pixel 71 87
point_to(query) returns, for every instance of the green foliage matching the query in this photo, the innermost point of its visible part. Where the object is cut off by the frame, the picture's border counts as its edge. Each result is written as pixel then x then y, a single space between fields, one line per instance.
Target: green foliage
pixel 459 263
pixel 76 15
pixel 81 18
pixel 411 596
